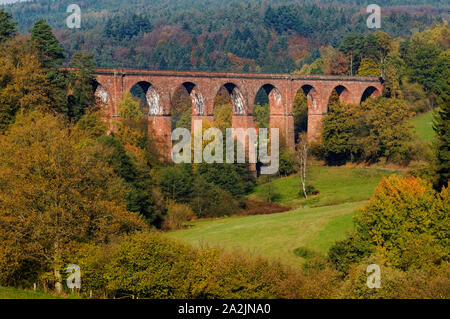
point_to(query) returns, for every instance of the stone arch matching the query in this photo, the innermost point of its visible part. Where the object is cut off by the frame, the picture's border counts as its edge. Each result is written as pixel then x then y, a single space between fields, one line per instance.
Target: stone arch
pixel 311 96
pixel 343 93
pixel 151 98
pixel 275 98
pixel 102 96
pixel 301 111
pixel 197 100
pixel 237 98
pixel 370 92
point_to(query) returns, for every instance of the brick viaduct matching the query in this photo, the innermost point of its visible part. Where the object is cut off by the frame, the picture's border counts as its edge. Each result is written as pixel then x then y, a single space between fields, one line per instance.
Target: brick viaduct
pixel 160 88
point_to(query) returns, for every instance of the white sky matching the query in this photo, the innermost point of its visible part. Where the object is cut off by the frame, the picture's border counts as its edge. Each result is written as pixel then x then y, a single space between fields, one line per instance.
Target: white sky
pixel 10 1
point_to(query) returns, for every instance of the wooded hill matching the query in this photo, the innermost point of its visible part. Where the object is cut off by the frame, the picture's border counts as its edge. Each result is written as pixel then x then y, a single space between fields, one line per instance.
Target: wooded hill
pixel 211 35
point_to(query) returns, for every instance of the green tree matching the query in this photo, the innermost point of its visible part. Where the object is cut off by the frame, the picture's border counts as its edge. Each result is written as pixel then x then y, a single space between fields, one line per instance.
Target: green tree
pixel 381 129
pixel 137 179
pixel 404 212
pixel 176 182
pixel 421 60
pixel 368 67
pixel 129 108
pixel 7 26
pixel 352 47
pixel 405 225
pixel 81 83
pixel 384 43
pixel 47 43
pixel 442 147
pixel 337 132
pixel 51 60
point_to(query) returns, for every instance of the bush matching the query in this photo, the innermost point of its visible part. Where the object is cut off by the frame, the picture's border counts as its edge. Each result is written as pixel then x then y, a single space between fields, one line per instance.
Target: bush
pixel 177 216
pixel 256 207
pixel 304 252
pixel 397 284
pixel 149 265
pixel 309 191
pixel 286 165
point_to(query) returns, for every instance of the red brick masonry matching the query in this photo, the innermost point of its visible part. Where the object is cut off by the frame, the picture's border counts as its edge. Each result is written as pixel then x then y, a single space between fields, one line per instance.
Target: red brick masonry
pixel 243 87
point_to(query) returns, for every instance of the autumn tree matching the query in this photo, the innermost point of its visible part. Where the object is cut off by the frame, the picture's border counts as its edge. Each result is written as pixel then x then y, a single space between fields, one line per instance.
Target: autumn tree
pixel 368 67
pixel 54 193
pixel 384 43
pixel 23 83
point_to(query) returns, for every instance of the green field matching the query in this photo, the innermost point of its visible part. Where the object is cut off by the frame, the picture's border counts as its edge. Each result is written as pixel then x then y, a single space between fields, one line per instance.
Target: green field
pixel 315 224
pixel 337 185
pixel 16 293
pixel 277 235
pixel 424 126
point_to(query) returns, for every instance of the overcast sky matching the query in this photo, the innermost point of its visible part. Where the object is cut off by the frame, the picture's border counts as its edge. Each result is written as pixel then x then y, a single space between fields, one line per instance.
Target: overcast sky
pixel 9 1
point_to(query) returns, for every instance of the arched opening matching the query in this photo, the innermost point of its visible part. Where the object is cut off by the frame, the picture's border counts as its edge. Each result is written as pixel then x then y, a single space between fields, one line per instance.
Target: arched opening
pixel 102 97
pixel 310 92
pixel 268 101
pixel 224 108
pixel 181 108
pixel 186 101
pixel 303 99
pixel 147 94
pixel 340 94
pixel 237 99
pixel 370 92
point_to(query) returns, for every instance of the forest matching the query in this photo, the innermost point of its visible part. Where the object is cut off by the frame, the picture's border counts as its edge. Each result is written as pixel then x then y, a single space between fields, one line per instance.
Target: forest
pixel 239 36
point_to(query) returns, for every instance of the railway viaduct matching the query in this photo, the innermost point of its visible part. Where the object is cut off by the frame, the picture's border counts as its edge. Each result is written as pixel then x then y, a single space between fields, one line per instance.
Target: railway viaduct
pixel 160 88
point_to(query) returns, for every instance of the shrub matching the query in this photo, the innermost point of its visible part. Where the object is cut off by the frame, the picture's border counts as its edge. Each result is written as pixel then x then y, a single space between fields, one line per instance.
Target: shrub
pixel 397 284
pixel 286 165
pixel 256 207
pixel 304 252
pixel 309 191
pixel 177 216
pixel 150 265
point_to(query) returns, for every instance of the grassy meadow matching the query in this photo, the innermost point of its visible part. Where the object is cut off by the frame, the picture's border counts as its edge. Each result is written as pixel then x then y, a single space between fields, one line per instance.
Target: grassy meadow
pixel 17 293
pixel 314 223
pixel 423 125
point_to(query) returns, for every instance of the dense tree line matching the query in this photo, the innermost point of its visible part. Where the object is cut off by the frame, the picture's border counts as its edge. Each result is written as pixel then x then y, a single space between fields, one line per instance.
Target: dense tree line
pixel 247 36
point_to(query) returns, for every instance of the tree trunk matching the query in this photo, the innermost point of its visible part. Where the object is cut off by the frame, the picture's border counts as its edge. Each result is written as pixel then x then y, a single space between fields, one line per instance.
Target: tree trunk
pixel 58 276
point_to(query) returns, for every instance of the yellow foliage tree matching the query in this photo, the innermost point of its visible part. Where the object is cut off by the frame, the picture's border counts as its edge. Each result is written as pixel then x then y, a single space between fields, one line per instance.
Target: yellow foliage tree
pixel 23 83
pixel 53 194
